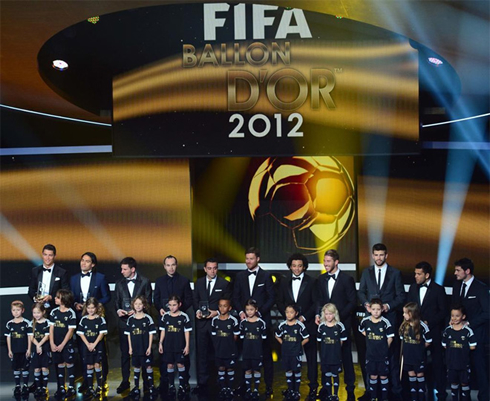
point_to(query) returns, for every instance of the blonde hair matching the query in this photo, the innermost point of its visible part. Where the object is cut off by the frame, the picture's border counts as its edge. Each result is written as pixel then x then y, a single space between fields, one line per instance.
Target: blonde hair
pixel 332 309
pixel 42 309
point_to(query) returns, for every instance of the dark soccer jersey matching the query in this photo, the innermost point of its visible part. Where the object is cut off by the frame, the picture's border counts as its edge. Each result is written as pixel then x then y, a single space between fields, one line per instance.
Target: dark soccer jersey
pixel 139 331
pixel 18 333
pixel 413 349
pixel 41 330
pixel 458 343
pixel 91 328
pixel 330 339
pixel 61 322
pixel 377 335
pixel 252 334
pixel 291 336
pixel 224 332
pixel 174 328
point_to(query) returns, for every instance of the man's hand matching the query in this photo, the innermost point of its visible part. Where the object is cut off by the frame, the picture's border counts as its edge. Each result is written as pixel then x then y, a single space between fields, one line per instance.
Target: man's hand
pixel 78 306
pixel 242 316
pixel 199 314
pixel 212 314
pixel 317 320
pixel 121 313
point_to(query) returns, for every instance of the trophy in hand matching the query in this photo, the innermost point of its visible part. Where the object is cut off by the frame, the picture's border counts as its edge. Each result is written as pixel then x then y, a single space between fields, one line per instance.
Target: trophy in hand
pixel 127 304
pixel 41 292
pixel 204 308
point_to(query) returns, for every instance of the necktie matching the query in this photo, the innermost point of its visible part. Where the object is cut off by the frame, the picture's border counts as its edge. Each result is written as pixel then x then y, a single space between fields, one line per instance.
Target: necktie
pixel 209 288
pixel 250 273
pixel 296 278
pixel 47 270
pixel 86 274
pixel 379 281
pixel 463 290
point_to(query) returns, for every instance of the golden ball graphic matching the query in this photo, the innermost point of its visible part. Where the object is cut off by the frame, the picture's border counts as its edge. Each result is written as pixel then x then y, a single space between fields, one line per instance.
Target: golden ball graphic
pixel 310 196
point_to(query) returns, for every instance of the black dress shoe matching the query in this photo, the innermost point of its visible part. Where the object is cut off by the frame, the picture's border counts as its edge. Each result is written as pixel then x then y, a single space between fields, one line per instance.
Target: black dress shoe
pixel 123 387
pixel 32 388
pixel 268 392
pixel 312 394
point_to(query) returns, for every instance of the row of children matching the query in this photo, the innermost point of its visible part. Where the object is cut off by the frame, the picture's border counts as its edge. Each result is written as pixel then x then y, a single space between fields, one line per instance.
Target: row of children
pixel 35 343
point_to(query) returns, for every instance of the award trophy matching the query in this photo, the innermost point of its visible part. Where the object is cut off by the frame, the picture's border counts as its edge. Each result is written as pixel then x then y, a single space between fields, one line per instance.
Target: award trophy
pixel 127 304
pixel 42 291
pixel 204 308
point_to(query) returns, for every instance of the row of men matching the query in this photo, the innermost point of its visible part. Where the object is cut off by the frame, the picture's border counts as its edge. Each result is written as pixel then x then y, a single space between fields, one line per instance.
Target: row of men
pixel 334 286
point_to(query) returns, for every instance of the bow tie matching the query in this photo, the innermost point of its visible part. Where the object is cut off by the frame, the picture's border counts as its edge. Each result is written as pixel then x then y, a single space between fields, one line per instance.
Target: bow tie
pixel 250 273
pixel 331 276
pixel 296 278
pixel 424 285
pixel 131 280
pixel 86 274
pixel 47 270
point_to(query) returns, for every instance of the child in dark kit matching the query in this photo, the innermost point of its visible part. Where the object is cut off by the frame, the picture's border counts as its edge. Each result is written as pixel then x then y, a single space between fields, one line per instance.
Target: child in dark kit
pixel 41 353
pixel 331 334
pixel 379 336
pixel 292 335
pixel 63 323
pixel 459 340
pixel 225 330
pixel 415 336
pixel 252 332
pixel 19 346
pixel 140 331
pixel 175 328
pixel 92 329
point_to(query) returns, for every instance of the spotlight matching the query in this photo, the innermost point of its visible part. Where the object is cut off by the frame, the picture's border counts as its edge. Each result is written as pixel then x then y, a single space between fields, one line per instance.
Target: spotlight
pixel 435 61
pixel 60 65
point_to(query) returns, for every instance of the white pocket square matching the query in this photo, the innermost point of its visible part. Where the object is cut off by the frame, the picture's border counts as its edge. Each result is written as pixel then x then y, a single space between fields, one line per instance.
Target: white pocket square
pixel 260 285
pixel 472 296
pixel 218 290
pixel 57 279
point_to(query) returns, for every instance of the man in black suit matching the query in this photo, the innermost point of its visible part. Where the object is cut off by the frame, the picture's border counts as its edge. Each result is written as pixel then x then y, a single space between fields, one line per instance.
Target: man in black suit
pixel 300 289
pixel 337 287
pixel 51 275
pixel 473 295
pixel 171 283
pixel 431 299
pixel 207 293
pixel 384 281
pixel 86 284
pixel 131 285
pixel 257 283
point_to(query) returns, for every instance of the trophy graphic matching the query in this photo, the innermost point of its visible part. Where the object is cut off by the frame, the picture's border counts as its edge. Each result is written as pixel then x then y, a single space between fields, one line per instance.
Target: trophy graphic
pixel 127 304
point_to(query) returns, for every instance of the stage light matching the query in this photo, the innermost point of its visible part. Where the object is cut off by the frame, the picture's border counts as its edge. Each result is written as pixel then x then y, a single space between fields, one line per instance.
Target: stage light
pixel 435 61
pixel 60 65
pixel 18 241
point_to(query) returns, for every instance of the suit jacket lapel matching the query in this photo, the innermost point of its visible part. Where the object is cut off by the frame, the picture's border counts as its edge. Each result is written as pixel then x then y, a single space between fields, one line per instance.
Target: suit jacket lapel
pixel 373 277
pixel 387 278
pixel 259 273
pixel 137 286
pixel 289 286
pixel 91 287
pixel 53 278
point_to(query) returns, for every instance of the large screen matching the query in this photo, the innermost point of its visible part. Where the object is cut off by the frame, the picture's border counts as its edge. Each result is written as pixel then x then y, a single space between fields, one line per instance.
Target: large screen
pixel 260 80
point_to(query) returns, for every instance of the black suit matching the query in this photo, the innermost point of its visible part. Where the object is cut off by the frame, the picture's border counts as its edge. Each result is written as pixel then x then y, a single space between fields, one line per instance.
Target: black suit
pixel 345 299
pixel 306 300
pixel 392 293
pixel 434 311
pixel 59 280
pixel 175 285
pixel 263 293
pixel 476 304
pixel 142 286
pixel 221 289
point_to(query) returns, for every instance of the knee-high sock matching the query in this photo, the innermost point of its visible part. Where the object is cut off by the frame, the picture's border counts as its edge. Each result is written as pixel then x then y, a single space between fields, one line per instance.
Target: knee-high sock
pixel 297 380
pixel 455 391
pixel 336 383
pixel 45 378
pixel 384 388
pixel 37 379
pixel 90 377
pixel 373 388
pixel 328 383
pixel 17 374
pixel 465 392
pixel 289 380
pixel 61 375
pixel 231 378
pixel 25 377
pixel 137 377
pixel 257 377
pixel 70 369
pixel 421 388
pixel 248 381
pixel 221 379
pixel 171 376
pixel 412 381
pixel 98 376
